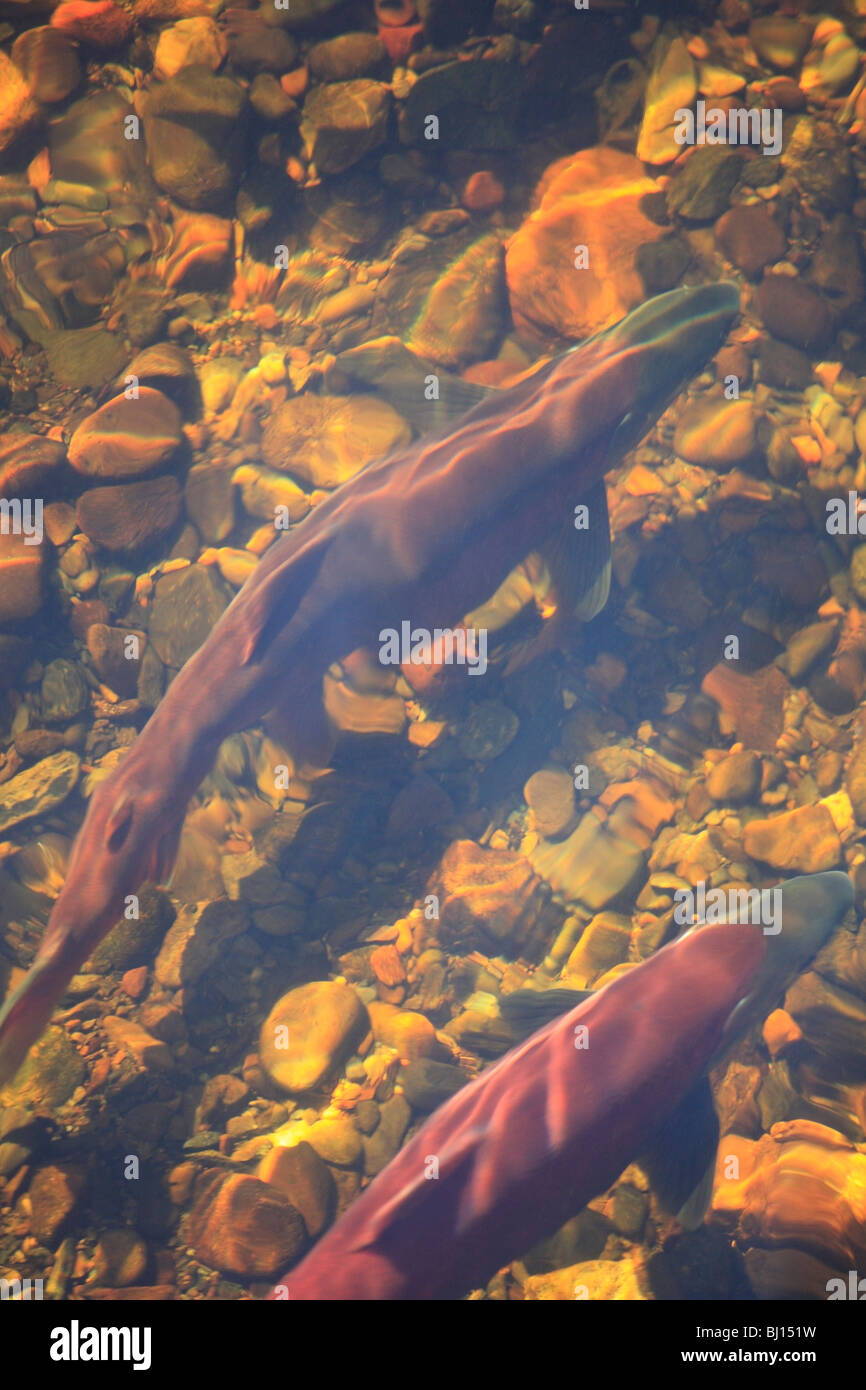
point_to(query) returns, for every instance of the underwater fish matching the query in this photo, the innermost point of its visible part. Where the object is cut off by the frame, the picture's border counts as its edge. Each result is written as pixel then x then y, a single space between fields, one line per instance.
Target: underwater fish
pixel 522 1148
pixel 425 535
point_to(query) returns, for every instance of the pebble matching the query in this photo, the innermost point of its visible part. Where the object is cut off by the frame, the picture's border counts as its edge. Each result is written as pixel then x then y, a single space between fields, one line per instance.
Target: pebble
pixel 125 438
pixel 196 940
pixel 427 1083
pixel 120 1258
pixel 793 312
pixel 149 1053
pixel 604 943
pixel 487 730
pixel 702 189
pixel 309 1032
pixel 750 237
pixel 325 440
pixel 348 56
pixel 21 578
pixel 130 517
pixel 38 789
pixel 736 779
pixel 193 128
pixel 55 1193
pixel 304 1180
pixel 344 121
pixel 779 41
pixel 63 693
pixel 594 198
pixel 195 40
pixel 186 605
pixel 240 1225
pixel 48 60
pixel 672 86
pixel 99 24
pixel 802 841
pixel 549 794
pixel 716 433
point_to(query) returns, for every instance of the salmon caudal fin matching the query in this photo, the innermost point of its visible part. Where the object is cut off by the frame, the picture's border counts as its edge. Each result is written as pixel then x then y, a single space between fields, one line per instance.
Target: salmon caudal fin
pixel 25 1014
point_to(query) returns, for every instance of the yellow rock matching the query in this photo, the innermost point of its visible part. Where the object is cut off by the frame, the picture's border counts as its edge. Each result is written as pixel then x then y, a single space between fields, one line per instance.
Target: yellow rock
pixel 672 87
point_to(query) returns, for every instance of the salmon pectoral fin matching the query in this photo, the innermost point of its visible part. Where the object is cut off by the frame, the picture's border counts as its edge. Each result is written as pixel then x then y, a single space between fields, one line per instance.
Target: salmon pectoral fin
pixel 680 1160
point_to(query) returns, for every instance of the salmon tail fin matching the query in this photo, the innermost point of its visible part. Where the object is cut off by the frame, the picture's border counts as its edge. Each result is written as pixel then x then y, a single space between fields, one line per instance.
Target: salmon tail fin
pixel 27 1011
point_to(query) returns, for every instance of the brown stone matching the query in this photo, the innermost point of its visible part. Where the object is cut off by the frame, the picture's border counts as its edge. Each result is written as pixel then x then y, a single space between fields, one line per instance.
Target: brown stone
pixel 804 840
pixel 242 1226
pixel 131 516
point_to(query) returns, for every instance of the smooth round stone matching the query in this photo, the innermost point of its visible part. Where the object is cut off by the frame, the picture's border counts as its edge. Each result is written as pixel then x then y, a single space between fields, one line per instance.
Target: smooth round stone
pixel 125 438
pixel 186 606
pixel 48 60
pixel 550 795
pixel 750 238
pixel 197 40
pixel 309 1032
pixel 98 23
pixel 794 312
pixel 348 56
pixel 242 1226
pixel 21 573
pixel 194 131
pixel 672 86
pixel 716 433
pixel 736 779
pixel 487 730
pixel 325 440
pixel 64 692
pixel 27 462
pixel 130 516
pixel 343 121
pixel 779 41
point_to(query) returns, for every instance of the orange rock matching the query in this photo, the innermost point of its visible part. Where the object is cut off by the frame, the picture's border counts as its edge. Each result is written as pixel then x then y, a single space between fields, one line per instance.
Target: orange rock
pixel 804 840
pixel 387 966
pixel 411 1035
pixel 751 705
pixel 805 1187
pixel 305 1181
pixel 99 23
pixel 487 895
pixel 482 192
pixel 780 1031
pixel 592 200
pixel 21 567
pixel 242 1226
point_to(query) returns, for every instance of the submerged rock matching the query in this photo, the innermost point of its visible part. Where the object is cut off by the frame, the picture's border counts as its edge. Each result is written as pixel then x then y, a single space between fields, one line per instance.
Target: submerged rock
pixel 242 1226
pixel 672 87
pixel 186 605
pixel 21 576
pixel 325 440
pixel 343 121
pixel 592 199
pixel 131 516
pixel 38 789
pixel 125 438
pixel 309 1032
pixel 194 131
